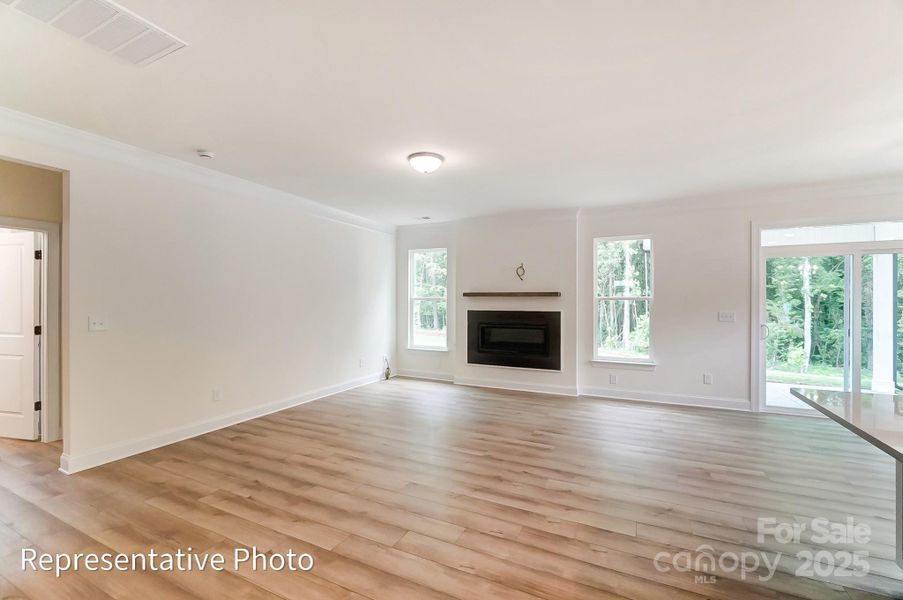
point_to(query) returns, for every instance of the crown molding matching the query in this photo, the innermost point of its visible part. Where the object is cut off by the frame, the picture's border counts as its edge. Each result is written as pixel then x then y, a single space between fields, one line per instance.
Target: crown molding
pixel 34 129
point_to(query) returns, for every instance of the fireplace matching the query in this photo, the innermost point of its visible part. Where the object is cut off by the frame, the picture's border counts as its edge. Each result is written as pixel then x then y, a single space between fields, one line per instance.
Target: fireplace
pixel 527 339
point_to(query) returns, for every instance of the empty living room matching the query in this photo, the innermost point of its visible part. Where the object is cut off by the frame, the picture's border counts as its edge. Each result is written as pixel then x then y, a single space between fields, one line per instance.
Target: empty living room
pixel 408 299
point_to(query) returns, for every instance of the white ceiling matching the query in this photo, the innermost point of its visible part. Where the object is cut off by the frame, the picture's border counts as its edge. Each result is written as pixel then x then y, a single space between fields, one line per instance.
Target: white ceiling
pixel 535 104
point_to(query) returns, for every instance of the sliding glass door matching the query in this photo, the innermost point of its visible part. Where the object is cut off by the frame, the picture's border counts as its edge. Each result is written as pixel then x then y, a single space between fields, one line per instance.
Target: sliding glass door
pixel 881 338
pixel 807 325
pixel 830 312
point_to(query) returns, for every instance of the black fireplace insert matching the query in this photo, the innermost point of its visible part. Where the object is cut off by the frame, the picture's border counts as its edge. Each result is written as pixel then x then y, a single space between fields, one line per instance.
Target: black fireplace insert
pixel 528 339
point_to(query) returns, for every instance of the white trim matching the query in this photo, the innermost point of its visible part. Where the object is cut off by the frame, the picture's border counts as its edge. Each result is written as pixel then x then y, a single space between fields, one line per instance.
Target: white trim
pixel 70 464
pixel 624 362
pixel 517 386
pixel 429 375
pixel 662 398
pixel 41 131
pixel 833 249
pixel 51 350
pixel 756 319
pixel 855 333
pixel 622 238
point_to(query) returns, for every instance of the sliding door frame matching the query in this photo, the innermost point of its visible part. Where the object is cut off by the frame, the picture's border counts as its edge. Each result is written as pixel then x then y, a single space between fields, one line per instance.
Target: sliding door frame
pixel 850 324
pixel 853 305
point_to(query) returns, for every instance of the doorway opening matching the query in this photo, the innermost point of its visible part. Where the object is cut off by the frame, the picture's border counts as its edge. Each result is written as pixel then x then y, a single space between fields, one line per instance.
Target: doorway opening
pixel 29 331
pixel 830 301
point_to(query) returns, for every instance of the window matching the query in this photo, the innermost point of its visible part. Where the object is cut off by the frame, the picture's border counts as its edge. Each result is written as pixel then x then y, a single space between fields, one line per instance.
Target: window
pixel 428 302
pixel 623 299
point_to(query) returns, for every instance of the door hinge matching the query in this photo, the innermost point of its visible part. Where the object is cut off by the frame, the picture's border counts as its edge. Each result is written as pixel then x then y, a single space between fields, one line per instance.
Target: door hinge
pixel 37 330
pixel 37 406
pixel 38 254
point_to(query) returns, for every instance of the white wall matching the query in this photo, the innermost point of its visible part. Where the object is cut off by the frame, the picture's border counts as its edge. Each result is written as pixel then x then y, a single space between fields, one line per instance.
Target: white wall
pixel 207 282
pixel 703 256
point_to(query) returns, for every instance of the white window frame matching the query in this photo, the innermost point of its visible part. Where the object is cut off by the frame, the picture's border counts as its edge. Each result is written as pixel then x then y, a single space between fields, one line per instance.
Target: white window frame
pixel 610 358
pixel 759 254
pixel 412 298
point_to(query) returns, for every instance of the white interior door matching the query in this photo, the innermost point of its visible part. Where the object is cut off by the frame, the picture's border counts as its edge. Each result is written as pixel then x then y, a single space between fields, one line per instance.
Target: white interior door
pixel 18 343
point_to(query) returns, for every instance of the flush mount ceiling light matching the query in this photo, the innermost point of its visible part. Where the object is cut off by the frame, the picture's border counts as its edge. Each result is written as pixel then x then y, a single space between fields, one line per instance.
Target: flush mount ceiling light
pixel 106 25
pixel 425 162
pixel 206 154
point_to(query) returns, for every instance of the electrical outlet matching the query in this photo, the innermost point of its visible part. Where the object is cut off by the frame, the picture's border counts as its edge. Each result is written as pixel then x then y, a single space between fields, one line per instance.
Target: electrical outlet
pixel 217 395
pixel 613 379
pixel 707 378
pixel 727 316
pixel 98 324
pixel 360 363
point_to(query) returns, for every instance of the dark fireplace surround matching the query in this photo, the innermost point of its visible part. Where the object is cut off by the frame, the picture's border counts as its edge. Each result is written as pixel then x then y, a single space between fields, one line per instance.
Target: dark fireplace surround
pixel 509 338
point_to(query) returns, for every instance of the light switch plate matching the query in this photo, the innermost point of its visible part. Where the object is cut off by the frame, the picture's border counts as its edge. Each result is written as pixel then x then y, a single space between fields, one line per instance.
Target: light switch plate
pixel 727 316
pixel 98 324
pixel 707 378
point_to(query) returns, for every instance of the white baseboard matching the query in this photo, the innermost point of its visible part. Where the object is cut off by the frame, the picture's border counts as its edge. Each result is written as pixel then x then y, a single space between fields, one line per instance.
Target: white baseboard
pixel 612 393
pixel 70 464
pixel 518 386
pixel 432 376
pixel 661 398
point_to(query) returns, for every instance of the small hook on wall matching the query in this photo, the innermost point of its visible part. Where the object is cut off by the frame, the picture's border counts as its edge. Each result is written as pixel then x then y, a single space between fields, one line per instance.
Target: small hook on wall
pixel 520 271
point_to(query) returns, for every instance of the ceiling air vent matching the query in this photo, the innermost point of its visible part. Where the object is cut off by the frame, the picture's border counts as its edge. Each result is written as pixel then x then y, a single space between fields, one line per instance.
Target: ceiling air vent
pixel 106 25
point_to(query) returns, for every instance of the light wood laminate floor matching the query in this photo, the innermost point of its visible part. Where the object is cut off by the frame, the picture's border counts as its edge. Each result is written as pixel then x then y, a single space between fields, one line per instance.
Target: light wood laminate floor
pixel 410 489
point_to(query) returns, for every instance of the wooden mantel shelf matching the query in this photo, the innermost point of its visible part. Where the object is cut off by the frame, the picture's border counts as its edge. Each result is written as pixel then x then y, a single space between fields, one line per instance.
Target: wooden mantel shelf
pixel 510 294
